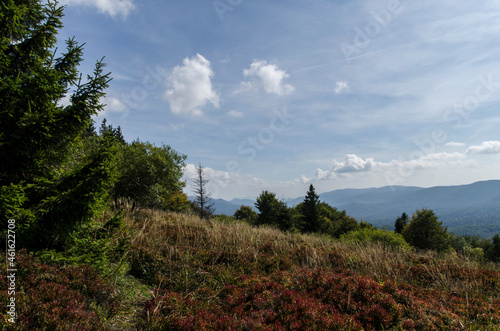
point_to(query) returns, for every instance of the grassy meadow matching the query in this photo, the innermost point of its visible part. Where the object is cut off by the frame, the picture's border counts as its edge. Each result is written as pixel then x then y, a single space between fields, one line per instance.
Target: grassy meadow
pixel 172 271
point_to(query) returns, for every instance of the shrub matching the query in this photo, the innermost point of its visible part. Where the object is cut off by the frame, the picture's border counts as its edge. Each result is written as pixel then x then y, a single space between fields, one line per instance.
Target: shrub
pixel 305 299
pixel 246 214
pixel 384 237
pixel 151 176
pixel 273 211
pixel 54 298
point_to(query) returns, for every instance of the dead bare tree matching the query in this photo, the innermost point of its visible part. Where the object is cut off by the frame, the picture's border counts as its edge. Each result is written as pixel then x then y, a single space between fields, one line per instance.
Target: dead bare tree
pixel 203 198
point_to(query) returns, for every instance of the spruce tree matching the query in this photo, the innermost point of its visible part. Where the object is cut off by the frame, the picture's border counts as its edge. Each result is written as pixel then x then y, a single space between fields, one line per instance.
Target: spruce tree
pixel 400 223
pixel 309 210
pixel 41 185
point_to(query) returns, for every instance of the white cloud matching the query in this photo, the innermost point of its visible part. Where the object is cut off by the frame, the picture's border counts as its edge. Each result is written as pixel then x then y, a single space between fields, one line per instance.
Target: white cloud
pixel 454 144
pixel 271 77
pixel 352 163
pixel 235 114
pixel 487 147
pixel 191 86
pixel 340 87
pixel 111 7
pixel 114 105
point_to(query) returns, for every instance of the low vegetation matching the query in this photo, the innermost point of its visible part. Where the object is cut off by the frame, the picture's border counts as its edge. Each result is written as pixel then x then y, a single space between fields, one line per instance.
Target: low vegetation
pixel 181 272
pixel 234 276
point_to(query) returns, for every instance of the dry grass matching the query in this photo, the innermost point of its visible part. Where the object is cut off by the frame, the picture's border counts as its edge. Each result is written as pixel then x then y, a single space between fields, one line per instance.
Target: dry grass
pixel 176 233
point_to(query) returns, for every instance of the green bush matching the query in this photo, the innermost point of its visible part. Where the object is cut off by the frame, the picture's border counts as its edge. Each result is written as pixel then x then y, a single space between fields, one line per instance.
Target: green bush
pixel 334 222
pixel 246 214
pixel 424 231
pixel 95 244
pixel 273 212
pixel 150 176
pixel 384 237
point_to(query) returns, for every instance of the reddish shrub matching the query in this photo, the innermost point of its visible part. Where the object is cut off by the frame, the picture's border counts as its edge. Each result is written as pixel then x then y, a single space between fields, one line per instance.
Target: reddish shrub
pixel 54 298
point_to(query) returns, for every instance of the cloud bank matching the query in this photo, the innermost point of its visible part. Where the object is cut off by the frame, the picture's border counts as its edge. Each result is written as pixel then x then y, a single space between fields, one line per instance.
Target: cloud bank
pixel 392 172
pixel 401 168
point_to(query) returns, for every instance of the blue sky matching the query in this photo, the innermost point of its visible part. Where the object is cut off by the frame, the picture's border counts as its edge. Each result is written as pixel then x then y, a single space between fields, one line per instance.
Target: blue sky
pixel 278 95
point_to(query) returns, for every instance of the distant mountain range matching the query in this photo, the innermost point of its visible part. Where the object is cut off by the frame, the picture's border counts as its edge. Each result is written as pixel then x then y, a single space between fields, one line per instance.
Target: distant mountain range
pixel 472 209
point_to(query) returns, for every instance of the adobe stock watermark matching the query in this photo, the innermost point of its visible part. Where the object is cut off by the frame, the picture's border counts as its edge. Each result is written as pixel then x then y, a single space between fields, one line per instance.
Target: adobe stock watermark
pixel 11 271
pixel 250 147
pixel 151 81
pixel 482 93
pixel 372 29
pixel 223 6
pixel 461 111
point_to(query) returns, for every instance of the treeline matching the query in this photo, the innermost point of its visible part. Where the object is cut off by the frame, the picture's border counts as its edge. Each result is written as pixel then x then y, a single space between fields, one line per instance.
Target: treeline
pixel 314 216
pixel 310 216
pixel 422 231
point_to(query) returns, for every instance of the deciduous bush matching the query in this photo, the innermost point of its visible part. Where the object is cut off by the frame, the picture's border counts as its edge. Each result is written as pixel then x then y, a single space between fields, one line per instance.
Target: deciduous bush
pixel 372 235
pixel 424 231
pixel 150 176
pixel 246 214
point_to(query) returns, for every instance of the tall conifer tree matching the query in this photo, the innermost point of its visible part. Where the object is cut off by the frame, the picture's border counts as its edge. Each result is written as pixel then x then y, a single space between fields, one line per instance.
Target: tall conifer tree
pixel 310 221
pixel 47 197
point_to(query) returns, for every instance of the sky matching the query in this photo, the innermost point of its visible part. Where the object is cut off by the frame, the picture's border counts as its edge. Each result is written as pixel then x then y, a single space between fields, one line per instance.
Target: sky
pixel 278 95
